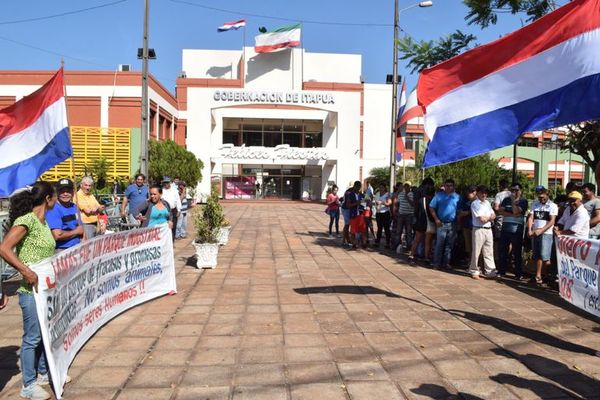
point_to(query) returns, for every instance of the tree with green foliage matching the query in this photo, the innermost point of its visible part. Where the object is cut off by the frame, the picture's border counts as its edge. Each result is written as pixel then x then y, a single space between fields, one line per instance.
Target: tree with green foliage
pixel 167 158
pixel 98 170
pixel 424 54
pixel 485 12
pixel 479 170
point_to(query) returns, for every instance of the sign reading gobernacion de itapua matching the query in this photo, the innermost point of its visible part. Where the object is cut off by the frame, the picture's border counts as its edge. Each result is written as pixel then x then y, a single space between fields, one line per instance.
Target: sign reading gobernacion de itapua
pixel 262 96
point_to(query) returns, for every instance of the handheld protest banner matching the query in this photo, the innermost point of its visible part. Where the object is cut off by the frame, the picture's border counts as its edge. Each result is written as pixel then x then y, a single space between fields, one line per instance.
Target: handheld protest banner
pixel 84 287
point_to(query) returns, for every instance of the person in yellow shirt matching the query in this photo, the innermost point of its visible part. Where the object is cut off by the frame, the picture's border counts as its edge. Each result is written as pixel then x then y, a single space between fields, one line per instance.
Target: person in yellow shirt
pixel 88 206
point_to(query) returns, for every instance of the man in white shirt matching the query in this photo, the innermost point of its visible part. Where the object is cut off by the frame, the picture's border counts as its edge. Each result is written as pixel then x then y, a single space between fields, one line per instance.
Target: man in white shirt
pixel 483 240
pixel 575 221
pixel 170 194
pixel 539 227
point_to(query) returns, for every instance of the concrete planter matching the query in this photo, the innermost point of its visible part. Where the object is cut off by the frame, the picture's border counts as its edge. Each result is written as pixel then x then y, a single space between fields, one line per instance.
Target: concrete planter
pixel 223 235
pixel 206 254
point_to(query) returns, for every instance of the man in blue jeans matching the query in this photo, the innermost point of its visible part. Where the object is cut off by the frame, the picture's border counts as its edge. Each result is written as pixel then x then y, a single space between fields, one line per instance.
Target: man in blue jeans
pixel 443 208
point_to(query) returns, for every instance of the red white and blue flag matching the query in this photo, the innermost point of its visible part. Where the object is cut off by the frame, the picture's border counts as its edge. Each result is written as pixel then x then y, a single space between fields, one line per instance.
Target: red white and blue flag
pixel 401 107
pixel 544 75
pixel 34 136
pixel 227 26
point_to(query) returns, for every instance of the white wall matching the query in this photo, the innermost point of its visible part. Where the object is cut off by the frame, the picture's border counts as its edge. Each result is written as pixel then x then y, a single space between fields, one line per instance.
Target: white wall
pixel 211 63
pixel 325 67
pixel 377 126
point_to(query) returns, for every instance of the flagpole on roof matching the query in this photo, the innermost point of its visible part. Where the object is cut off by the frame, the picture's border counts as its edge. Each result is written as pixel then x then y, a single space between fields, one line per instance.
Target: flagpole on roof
pixel 243 53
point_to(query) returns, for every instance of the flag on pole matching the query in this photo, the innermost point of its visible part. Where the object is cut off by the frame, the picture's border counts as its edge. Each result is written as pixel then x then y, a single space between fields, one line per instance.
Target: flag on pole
pixel 34 136
pixel 401 107
pixel 544 75
pixel 227 26
pixel 411 109
pixel 278 39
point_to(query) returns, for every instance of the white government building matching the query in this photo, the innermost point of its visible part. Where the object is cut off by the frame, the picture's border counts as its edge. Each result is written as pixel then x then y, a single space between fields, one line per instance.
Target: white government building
pixel 290 122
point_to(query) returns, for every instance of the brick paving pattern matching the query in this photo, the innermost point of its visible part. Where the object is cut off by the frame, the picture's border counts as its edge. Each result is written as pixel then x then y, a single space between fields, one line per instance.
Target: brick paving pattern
pixel 289 314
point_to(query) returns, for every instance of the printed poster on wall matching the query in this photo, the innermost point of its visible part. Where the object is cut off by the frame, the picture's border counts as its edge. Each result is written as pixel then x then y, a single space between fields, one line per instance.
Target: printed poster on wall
pixel 82 288
pixel 578 265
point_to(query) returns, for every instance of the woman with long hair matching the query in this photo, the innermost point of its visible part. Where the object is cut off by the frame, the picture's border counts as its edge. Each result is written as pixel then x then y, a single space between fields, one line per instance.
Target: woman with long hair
pixel 155 211
pixel 333 209
pixel 32 240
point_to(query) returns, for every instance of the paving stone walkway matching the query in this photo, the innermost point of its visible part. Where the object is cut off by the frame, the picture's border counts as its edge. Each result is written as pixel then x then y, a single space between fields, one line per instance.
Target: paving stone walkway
pixel 289 314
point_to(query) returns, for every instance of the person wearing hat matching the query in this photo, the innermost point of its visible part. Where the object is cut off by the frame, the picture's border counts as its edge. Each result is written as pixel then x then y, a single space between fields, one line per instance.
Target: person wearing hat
pixel 63 219
pixel 575 220
pixel 170 194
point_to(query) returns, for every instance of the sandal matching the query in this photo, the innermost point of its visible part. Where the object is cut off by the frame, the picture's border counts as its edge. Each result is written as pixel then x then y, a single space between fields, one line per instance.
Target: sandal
pixel 4 301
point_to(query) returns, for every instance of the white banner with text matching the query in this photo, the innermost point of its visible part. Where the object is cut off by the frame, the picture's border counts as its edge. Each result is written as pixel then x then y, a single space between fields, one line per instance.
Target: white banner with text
pixel 578 265
pixel 82 288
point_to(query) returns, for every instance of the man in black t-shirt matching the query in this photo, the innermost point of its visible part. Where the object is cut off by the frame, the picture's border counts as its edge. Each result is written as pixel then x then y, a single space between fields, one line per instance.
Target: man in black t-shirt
pixel 350 208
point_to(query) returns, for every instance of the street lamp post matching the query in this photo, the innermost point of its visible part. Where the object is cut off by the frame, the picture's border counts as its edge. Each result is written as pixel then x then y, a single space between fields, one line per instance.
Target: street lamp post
pixel 395 86
pixel 144 135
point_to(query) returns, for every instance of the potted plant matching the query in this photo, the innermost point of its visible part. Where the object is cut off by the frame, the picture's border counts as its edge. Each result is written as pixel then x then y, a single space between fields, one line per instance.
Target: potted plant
pixel 207 248
pixel 213 213
pixel 223 232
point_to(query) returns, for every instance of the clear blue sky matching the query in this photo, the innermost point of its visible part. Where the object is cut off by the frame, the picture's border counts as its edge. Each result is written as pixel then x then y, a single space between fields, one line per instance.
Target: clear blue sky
pixel 102 38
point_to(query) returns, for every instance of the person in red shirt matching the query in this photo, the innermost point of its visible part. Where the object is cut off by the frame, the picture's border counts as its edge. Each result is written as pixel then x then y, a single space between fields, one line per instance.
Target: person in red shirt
pixel 333 209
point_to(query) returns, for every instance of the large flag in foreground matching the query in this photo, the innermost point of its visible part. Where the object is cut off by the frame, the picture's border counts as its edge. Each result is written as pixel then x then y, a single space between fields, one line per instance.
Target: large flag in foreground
pixel 279 39
pixel 34 136
pixel 544 75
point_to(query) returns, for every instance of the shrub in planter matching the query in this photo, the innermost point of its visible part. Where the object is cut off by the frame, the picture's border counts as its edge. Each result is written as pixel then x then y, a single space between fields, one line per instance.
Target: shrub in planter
pixel 207 248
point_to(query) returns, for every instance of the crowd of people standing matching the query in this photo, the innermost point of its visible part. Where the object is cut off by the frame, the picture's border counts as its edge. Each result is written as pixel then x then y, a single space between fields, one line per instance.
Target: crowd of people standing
pixel 45 219
pixel 436 226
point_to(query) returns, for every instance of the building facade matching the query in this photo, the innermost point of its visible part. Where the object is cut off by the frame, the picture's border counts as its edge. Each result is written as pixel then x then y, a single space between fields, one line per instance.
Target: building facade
pixel 282 125
pixel 104 113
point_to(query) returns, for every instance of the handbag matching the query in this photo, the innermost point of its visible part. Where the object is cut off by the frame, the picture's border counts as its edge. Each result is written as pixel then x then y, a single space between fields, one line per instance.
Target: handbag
pixel 327 211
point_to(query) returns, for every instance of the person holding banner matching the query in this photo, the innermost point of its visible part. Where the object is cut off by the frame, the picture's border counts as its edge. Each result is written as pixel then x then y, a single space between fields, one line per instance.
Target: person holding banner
pixel 63 219
pixel 155 211
pixel 31 237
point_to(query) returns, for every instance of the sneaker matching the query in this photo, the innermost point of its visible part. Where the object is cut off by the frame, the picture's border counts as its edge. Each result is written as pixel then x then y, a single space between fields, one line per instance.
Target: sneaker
pixel 338 235
pixel 491 275
pixel 330 236
pixel 34 392
pixel 43 380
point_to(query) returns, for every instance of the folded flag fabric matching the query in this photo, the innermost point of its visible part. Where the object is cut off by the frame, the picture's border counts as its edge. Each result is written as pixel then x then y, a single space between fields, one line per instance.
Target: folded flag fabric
pixel 278 39
pixel 34 136
pixel 399 133
pixel 411 109
pixel 227 26
pixel 544 75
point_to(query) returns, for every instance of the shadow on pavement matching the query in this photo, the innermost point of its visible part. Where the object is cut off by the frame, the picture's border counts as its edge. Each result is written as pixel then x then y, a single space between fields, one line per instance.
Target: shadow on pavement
pixel 439 392
pixel 550 296
pixel 8 364
pixel 579 384
pixel 346 289
pixel 532 334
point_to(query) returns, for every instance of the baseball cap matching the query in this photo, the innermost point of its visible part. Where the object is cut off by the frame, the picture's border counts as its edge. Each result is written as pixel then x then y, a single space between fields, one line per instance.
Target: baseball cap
pixel 575 195
pixel 166 179
pixel 539 188
pixel 64 183
pixel 409 183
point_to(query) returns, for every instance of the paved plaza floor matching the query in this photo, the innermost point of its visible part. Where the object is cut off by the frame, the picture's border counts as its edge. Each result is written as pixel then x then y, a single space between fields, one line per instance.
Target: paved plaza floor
pixel 289 314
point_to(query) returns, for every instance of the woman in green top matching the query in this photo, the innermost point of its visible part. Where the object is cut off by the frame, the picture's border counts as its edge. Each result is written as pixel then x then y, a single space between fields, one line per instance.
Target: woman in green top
pixel 31 236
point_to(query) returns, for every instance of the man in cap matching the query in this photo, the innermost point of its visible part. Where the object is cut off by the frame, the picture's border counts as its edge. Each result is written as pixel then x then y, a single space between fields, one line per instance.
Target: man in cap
pixel 539 228
pixel 592 205
pixel 63 218
pixel 135 195
pixel 575 220
pixel 170 194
